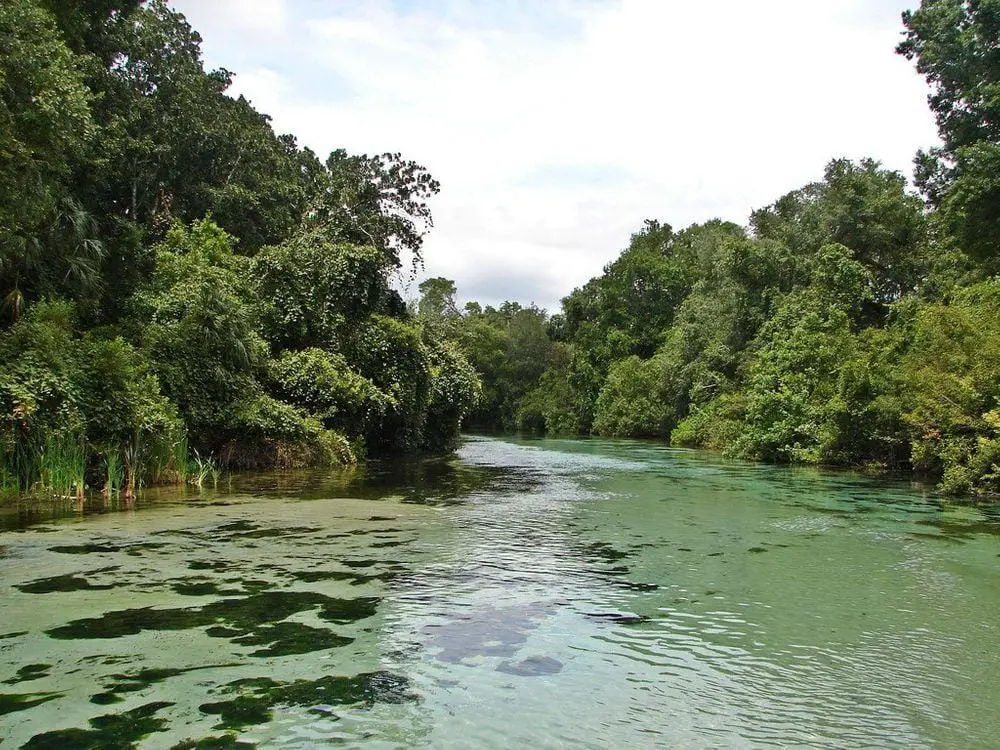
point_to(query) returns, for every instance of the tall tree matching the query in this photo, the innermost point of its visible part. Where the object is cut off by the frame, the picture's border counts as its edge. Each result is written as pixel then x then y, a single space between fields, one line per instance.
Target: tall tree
pixel 954 44
pixel 45 128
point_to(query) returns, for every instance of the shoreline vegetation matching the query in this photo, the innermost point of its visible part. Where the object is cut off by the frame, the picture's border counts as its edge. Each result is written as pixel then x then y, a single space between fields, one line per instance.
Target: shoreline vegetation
pixel 185 292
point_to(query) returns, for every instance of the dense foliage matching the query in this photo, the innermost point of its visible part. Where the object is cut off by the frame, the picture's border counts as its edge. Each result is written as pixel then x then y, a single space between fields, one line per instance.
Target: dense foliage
pixel 178 282
pixel 851 323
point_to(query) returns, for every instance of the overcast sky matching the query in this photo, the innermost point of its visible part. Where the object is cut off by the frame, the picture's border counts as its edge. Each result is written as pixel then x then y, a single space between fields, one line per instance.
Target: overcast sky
pixel 556 126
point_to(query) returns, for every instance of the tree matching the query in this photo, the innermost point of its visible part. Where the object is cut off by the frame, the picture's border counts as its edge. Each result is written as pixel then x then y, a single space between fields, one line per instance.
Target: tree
pixel 954 44
pixel 375 200
pixel 437 298
pixel 859 205
pixel 45 129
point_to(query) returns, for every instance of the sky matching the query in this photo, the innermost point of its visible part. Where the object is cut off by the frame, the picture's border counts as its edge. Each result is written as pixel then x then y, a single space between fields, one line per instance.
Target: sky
pixel 557 126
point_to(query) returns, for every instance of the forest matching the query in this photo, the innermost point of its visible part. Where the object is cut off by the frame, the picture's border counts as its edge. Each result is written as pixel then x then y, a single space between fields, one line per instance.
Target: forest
pixel 852 322
pixel 183 290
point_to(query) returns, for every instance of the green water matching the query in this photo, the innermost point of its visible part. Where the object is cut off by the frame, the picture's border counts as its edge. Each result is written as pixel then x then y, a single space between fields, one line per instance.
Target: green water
pixel 522 594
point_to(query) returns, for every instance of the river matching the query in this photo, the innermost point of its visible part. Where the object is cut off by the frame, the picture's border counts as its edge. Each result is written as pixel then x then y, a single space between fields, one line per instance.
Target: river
pixel 522 593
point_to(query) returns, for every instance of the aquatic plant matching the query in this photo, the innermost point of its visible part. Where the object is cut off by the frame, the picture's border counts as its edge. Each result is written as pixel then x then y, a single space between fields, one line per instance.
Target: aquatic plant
pixel 60 466
pixel 169 461
pixel 202 468
pixel 113 473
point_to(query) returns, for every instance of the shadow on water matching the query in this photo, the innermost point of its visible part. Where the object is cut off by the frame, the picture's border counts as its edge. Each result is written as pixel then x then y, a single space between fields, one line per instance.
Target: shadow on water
pixel 439 481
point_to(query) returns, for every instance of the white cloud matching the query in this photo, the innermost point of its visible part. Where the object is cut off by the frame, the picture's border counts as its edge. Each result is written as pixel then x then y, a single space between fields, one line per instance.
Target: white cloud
pixel 555 132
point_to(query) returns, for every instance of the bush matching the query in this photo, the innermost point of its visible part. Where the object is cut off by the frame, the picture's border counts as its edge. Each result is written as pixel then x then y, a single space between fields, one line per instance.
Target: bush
pixel 390 353
pixel 454 390
pixel 632 402
pixel 272 434
pixel 323 385
pixel 951 390
pixel 67 401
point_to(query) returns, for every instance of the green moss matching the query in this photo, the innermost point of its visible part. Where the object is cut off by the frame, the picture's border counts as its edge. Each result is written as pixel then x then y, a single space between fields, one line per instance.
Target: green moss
pixel 70 582
pixel 108 732
pixel 29 672
pixel 11 702
pixel 257 696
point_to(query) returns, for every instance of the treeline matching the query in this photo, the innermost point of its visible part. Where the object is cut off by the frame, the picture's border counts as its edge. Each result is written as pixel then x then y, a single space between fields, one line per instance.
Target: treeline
pixel 852 323
pixel 182 287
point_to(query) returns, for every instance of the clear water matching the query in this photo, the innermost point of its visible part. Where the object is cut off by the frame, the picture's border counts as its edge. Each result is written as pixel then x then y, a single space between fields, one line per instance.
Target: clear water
pixel 578 593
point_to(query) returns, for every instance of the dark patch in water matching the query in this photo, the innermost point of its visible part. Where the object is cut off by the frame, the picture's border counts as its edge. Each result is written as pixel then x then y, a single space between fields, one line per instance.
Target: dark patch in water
pixel 236 527
pixel 252 585
pixel 314 576
pixel 109 731
pixel 222 742
pixel 272 533
pixel 11 702
pixel 29 672
pixel 249 621
pixel 533 666
pixel 5 636
pixel 605 551
pixel 133 683
pixel 619 618
pixel 69 582
pixel 199 588
pixel 257 696
pixel 360 563
pixel 136 550
pixel 618 570
pixel 382 518
pixel 356 579
pixel 487 631
pixel 638 586
pixel 379 545
pixel 937 537
pixel 85 549
pixel 757 550
pixel 216 565
pixel 285 638
pixel 243 529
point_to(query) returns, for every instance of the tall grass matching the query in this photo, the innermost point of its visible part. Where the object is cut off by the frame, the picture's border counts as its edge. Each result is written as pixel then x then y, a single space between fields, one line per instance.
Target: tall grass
pixel 169 461
pixel 9 484
pixel 114 473
pixel 201 469
pixel 56 467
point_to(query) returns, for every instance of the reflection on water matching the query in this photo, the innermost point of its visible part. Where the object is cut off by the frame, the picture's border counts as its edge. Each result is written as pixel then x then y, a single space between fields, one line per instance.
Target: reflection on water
pixel 580 593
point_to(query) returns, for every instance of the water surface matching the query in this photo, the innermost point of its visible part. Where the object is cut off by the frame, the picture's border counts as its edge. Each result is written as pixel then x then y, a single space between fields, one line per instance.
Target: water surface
pixel 546 593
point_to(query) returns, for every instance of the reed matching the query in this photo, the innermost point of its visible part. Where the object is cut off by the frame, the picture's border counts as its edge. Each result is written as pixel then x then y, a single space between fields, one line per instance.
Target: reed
pixel 202 468
pixel 132 461
pixel 169 461
pixel 114 473
pixel 60 467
